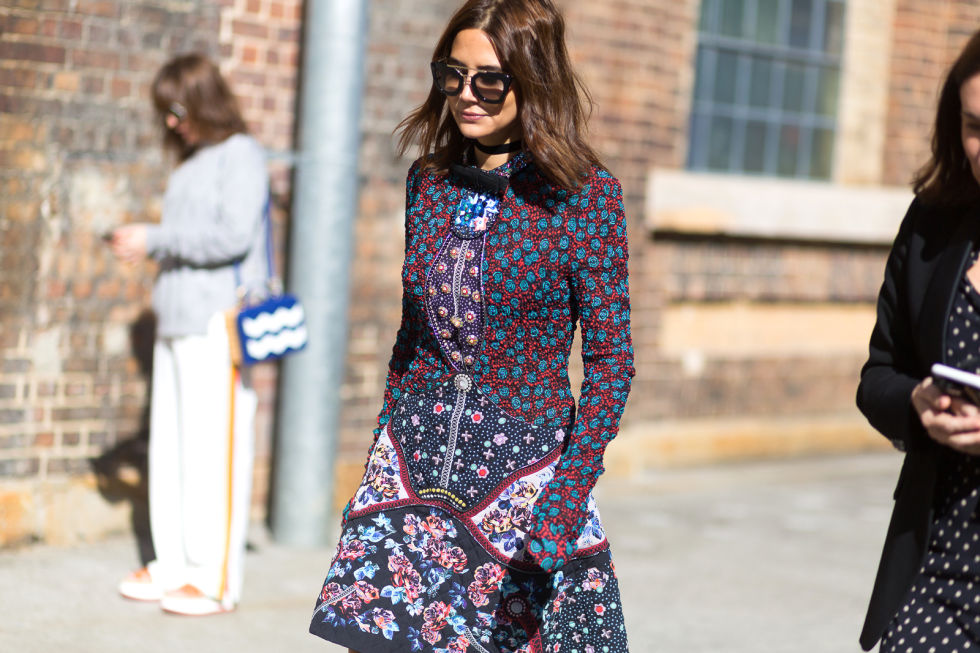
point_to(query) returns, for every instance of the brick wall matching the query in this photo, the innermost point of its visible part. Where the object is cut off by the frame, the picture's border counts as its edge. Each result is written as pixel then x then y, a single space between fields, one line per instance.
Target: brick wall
pixel 703 271
pixel 79 154
pixel 927 38
pixel 757 275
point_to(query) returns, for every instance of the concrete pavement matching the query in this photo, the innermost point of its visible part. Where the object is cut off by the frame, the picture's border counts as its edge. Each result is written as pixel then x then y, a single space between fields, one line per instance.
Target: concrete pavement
pixel 745 558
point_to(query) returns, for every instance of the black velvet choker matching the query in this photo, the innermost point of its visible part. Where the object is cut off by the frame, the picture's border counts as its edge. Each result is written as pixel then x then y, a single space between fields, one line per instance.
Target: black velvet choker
pixel 480 180
pixel 505 148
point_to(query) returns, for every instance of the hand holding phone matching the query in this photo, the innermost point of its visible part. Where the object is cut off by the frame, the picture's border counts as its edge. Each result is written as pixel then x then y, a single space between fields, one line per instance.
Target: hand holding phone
pixel 957 383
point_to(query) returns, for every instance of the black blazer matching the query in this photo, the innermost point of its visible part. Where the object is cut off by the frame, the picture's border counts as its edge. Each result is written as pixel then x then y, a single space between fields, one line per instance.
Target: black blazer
pixel 926 262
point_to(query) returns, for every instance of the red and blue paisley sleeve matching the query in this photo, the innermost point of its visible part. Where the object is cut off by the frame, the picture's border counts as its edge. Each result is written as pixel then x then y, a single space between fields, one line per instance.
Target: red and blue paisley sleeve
pixel 406 341
pixel 601 292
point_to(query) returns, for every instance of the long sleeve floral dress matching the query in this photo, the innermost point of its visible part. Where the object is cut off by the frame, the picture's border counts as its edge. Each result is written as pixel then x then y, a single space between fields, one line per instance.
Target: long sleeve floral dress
pixel 474 528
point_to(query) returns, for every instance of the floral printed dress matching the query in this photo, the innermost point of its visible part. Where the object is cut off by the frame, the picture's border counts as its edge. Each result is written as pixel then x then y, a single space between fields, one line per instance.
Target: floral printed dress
pixel 474 528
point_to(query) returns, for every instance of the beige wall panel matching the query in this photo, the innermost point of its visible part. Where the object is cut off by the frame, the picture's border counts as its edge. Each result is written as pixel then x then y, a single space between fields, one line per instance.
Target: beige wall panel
pixel 748 329
pixel 862 111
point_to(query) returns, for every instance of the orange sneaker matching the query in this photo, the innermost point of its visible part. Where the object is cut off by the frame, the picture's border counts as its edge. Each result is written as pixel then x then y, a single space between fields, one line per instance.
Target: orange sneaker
pixel 191 601
pixel 140 586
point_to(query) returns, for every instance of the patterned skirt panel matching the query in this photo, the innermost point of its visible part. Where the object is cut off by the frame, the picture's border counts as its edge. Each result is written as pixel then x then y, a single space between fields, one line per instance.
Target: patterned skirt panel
pixel 432 555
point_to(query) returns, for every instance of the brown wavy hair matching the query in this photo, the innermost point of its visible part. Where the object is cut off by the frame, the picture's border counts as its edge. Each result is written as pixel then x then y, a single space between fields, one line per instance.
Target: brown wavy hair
pixel 553 103
pixel 947 178
pixel 195 82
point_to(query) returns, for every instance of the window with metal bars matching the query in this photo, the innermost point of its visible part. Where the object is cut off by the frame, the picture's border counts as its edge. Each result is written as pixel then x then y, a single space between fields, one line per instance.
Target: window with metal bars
pixel 766 87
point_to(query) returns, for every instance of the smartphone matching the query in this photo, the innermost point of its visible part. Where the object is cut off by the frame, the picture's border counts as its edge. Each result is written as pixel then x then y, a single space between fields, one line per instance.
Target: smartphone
pixel 957 383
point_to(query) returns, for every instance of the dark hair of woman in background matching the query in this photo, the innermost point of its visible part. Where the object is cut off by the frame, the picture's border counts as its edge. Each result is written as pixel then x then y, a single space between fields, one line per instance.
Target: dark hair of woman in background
pixel 947 178
pixel 190 89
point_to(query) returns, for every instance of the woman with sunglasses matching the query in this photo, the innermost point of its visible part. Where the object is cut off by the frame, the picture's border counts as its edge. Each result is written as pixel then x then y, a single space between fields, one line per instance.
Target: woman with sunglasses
pixel 208 244
pixel 474 528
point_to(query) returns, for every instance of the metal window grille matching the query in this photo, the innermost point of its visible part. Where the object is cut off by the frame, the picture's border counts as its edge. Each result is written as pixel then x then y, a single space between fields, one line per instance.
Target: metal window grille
pixel 766 87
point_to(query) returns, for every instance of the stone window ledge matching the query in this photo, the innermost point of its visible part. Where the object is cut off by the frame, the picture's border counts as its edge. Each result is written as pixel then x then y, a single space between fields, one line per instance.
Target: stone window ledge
pixel 707 204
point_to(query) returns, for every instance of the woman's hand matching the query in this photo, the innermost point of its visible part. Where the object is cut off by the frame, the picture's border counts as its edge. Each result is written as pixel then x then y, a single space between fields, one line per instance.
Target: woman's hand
pixel 949 421
pixel 128 243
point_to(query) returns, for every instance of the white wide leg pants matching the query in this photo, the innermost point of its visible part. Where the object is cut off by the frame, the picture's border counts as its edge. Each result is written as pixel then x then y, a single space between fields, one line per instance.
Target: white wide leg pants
pixel 200 464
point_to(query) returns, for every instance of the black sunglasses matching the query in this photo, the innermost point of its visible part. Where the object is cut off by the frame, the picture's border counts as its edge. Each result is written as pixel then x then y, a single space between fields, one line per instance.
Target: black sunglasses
pixel 489 87
pixel 178 111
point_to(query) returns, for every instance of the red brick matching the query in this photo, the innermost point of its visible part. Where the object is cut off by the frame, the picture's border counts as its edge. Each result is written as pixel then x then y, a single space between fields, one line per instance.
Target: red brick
pixel 21 25
pixel 103 60
pixel 27 51
pixel 99 34
pixel 12 416
pixel 249 28
pixel 79 413
pixel 46 389
pixel 288 35
pixel 92 85
pixel 19 467
pixel 25 211
pixel 65 81
pixel 99 439
pixel 68 466
pixel 105 8
pixel 56 288
pixel 121 88
pixel 70 29
pixel 44 440
pixel 76 389
pixel 18 77
pixel 82 289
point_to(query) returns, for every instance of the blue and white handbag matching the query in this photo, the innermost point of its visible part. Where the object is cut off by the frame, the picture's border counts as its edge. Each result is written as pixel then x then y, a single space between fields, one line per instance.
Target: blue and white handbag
pixel 269 327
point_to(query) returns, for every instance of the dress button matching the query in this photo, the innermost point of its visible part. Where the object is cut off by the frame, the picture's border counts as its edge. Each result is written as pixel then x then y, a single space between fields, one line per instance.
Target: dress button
pixel 463 382
pixel 516 606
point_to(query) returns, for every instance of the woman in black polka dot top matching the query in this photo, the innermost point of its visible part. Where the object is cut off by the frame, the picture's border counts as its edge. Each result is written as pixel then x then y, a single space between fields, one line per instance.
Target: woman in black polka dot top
pixel 927 593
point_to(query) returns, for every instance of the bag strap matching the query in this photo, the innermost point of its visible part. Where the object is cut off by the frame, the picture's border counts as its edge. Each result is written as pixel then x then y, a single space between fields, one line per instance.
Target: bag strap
pixel 267 220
